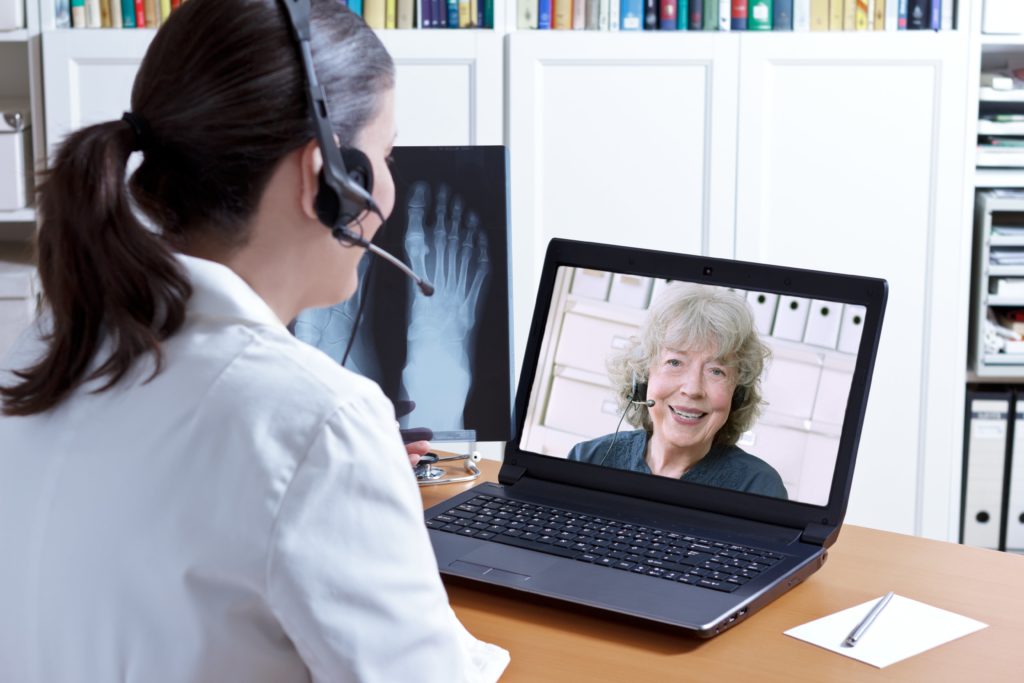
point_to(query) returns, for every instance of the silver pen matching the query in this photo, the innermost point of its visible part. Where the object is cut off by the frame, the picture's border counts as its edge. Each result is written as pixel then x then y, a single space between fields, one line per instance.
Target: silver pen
pixel 862 627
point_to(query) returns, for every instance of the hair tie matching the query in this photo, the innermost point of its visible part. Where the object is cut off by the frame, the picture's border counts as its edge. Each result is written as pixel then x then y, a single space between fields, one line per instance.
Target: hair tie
pixel 140 130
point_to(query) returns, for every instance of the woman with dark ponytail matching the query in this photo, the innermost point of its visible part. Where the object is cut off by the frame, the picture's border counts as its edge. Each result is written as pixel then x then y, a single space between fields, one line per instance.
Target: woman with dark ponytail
pixel 187 492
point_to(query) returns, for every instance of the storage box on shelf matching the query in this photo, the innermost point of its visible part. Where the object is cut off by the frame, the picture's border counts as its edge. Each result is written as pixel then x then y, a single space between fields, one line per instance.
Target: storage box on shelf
pixel 997 342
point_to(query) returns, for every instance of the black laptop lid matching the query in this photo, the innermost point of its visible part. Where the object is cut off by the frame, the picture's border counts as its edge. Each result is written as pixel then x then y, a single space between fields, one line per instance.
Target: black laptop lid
pixel 623 388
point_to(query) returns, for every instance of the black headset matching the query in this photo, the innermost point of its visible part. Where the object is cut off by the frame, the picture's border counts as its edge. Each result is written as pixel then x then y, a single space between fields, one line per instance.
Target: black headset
pixel 345 189
pixel 346 179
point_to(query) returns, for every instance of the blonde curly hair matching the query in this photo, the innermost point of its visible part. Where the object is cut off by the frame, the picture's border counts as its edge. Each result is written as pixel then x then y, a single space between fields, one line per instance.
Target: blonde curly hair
pixel 686 316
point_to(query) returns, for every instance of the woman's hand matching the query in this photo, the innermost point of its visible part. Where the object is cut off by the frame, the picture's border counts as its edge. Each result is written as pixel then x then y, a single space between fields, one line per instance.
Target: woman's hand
pixel 416 450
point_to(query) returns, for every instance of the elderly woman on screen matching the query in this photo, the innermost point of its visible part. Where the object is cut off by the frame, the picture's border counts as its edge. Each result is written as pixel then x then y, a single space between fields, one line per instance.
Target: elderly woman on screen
pixel 690 384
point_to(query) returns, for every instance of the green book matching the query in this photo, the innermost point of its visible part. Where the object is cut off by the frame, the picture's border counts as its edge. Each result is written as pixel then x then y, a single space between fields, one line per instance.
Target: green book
pixel 683 15
pixel 759 15
pixel 127 13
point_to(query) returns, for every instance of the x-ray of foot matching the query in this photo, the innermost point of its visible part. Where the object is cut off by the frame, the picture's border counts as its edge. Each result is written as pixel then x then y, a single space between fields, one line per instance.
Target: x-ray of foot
pixel 453 253
pixel 330 330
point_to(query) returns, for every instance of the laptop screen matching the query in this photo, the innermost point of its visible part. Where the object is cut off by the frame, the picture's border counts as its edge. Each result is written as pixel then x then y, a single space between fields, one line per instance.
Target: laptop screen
pixel 723 387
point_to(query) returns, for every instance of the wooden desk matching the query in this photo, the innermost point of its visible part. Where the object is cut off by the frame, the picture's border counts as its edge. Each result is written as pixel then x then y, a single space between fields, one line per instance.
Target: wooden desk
pixel 555 642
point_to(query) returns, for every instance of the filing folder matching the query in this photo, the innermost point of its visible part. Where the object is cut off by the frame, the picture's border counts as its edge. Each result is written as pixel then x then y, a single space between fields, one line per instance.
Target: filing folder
pixel 763 304
pixel 791 318
pixel 984 463
pixel 823 321
pixel 850 328
pixel 1015 497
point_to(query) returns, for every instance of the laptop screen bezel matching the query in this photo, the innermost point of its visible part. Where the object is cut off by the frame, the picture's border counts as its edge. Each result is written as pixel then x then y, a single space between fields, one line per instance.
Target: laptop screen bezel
pixel 871 293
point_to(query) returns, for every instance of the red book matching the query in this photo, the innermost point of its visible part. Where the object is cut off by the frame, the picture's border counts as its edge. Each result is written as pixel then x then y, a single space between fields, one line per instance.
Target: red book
pixel 140 13
pixel 667 17
pixel 739 15
pixel 175 4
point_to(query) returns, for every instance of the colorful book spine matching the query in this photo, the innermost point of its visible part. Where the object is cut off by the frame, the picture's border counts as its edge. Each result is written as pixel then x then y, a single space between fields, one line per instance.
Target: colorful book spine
pixel 696 15
pixel 128 13
pixel 918 14
pixel 835 15
pixel 819 15
pixel 604 19
pixel 801 15
pixel 579 15
pixel 563 14
pixel 710 20
pixel 93 15
pixel 632 17
pixel 879 24
pixel 592 12
pixel 152 14
pixel 165 10
pixel 782 15
pixel 543 14
pixel 724 14
pixel 390 13
pixel 406 11
pixel 488 20
pixel 140 14
pixel 526 14
pixel 948 15
pixel 650 15
pixel 849 15
pixel 668 17
pixel 374 13
pixel 759 15
pixel 116 20
pixel 441 17
pixel 614 14
pixel 860 16
pixel 901 15
pixel 355 5
pixel 936 21
pixel 105 14
pixel 739 15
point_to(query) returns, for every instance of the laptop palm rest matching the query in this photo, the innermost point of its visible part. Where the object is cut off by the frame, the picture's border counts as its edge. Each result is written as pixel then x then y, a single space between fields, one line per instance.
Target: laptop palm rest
pixel 497 558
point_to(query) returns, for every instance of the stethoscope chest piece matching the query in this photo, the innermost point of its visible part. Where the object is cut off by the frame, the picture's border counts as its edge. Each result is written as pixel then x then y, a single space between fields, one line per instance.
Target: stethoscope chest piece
pixel 428 475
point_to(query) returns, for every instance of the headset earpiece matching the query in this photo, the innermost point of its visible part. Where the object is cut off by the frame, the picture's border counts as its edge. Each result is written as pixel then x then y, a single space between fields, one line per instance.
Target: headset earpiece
pixel 638 393
pixel 333 208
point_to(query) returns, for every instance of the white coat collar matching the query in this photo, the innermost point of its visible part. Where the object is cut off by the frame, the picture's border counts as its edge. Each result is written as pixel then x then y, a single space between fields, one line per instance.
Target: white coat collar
pixel 218 292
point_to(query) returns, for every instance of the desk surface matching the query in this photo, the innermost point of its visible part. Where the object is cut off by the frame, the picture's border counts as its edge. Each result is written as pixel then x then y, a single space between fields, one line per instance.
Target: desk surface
pixel 553 642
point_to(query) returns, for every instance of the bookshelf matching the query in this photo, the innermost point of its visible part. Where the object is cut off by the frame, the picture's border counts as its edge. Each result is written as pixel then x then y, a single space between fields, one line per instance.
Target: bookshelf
pixel 846 151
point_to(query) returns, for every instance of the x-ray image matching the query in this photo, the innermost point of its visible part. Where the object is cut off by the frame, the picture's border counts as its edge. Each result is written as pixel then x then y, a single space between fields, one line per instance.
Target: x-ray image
pixel 444 360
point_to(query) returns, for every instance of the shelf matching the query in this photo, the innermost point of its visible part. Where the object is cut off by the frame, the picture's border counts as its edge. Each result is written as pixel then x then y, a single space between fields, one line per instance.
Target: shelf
pixel 993 95
pixel 19 216
pixel 996 300
pixel 999 177
pixel 1003 241
pixel 17 36
pixel 1008 39
pixel 1005 271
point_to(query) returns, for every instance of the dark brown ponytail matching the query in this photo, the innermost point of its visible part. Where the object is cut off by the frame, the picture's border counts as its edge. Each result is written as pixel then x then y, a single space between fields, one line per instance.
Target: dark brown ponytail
pixel 220 96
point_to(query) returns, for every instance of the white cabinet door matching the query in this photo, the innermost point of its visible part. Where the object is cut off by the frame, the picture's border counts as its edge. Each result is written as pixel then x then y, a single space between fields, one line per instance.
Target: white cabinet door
pixel 448 92
pixel 619 138
pixel 850 159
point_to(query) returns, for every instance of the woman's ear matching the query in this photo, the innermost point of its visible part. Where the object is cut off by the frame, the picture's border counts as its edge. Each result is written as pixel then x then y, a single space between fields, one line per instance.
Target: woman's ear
pixel 310 163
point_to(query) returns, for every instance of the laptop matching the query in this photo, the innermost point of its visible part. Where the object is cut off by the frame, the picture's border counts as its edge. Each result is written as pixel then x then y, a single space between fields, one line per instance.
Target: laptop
pixel 691 492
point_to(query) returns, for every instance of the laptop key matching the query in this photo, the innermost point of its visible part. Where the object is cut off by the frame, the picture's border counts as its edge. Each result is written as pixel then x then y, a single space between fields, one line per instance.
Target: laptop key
pixel 531 545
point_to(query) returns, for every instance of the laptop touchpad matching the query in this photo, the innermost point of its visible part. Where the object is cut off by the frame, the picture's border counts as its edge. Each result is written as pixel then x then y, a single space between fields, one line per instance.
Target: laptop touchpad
pixel 508 559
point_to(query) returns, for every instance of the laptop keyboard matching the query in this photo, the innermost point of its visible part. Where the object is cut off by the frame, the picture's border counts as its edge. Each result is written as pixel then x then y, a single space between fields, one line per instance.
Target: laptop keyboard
pixel 601 541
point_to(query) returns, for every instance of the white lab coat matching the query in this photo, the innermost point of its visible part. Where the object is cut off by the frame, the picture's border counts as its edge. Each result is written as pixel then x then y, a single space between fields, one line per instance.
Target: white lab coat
pixel 248 515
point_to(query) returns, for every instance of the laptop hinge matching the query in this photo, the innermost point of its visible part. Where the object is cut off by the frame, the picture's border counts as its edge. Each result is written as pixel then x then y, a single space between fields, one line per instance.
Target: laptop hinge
pixel 819 534
pixel 510 474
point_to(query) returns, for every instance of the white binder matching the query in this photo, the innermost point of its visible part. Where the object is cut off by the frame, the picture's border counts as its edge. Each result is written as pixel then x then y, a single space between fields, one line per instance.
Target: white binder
pixel 763 306
pixel 987 428
pixel 592 284
pixel 630 290
pixel 823 321
pixel 791 318
pixel 1015 501
pixel 851 328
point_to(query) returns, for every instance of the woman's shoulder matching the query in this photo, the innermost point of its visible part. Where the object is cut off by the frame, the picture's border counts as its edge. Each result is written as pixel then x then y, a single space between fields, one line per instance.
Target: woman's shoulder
pixel 759 476
pixel 597 449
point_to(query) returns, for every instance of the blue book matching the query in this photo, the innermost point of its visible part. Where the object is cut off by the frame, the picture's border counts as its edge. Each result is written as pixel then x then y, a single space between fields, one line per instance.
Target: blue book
pixel 782 19
pixel 356 6
pixel 439 12
pixel 453 13
pixel 936 22
pixel 683 15
pixel 631 17
pixel 543 14
pixel 128 13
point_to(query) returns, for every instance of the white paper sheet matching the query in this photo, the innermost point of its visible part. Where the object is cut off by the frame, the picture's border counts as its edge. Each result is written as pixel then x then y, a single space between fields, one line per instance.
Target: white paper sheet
pixel 903 629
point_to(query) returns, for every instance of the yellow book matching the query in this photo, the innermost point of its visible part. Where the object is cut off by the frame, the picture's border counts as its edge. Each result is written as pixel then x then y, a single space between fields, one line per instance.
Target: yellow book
pixel 165 10
pixel 879 24
pixel 152 18
pixel 116 16
pixel 406 14
pixel 105 14
pixel 819 15
pixel 474 13
pixel 390 13
pixel 849 15
pixel 835 15
pixel 464 21
pixel 860 17
pixel 374 13
pixel 563 14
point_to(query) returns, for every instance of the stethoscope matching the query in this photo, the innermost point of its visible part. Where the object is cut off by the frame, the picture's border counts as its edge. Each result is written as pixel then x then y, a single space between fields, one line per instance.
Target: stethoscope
pixel 428 475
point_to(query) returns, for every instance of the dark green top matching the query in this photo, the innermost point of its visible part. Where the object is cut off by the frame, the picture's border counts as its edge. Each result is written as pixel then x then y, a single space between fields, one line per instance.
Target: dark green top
pixel 727 467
